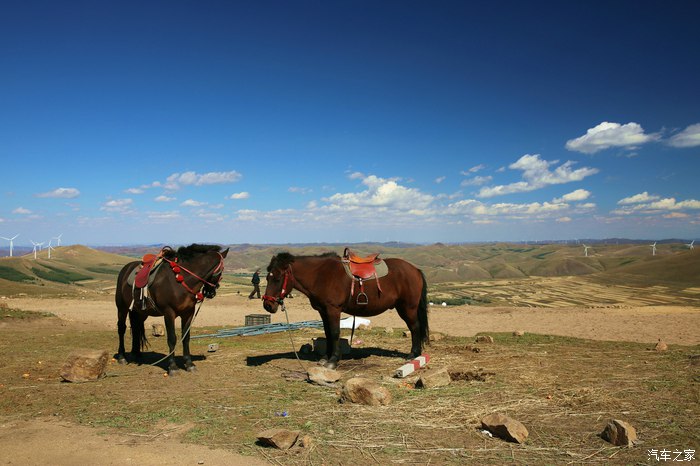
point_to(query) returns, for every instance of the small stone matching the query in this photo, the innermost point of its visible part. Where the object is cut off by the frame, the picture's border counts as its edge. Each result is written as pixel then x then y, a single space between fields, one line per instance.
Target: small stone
pixel 619 433
pixel 304 441
pixel 158 330
pixel 84 365
pixel 322 376
pixel 484 339
pixel 434 378
pixel 661 346
pixel 406 334
pixel 281 439
pixel 519 333
pixel 365 391
pixel 505 427
pixel 436 336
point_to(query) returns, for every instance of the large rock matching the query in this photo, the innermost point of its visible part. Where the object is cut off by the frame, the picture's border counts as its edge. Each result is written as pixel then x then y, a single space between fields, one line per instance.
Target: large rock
pixel 282 439
pixel 85 365
pixel 505 427
pixel 484 339
pixel 158 330
pixel 365 391
pixel 322 376
pixel 434 378
pixel 619 433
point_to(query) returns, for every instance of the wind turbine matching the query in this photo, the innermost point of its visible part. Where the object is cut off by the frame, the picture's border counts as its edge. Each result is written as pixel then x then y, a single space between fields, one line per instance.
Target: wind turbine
pixel 10 240
pixel 58 239
pixel 653 248
pixel 49 247
pixel 585 250
pixel 35 246
pixel 690 245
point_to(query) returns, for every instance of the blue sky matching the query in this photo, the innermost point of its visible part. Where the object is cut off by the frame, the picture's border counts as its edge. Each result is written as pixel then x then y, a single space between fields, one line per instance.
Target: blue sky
pixel 308 121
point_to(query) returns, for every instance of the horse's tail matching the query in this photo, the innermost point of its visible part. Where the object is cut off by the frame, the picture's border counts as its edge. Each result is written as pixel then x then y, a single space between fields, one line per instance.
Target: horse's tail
pixel 138 329
pixel 423 312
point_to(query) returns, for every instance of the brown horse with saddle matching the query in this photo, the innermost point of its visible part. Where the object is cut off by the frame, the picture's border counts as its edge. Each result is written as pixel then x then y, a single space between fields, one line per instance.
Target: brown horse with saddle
pixel 359 286
pixel 169 284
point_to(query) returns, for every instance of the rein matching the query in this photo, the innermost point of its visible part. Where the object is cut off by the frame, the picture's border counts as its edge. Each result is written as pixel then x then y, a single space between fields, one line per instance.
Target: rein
pixel 178 269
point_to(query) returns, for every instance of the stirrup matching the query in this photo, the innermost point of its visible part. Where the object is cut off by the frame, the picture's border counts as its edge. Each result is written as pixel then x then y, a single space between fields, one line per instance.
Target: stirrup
pixel 365 299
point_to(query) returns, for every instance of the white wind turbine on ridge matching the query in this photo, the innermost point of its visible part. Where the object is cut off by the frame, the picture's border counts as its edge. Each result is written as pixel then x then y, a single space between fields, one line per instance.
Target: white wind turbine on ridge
pixel 50 248
pixel 58 240
pixel 653 248
pixel 35 246
pixel 690 245
pixel 11 242
pixel 585 250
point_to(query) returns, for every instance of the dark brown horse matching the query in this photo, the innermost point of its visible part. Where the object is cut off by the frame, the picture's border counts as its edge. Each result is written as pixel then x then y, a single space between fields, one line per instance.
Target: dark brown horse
pixel 186 278
pixel 324 281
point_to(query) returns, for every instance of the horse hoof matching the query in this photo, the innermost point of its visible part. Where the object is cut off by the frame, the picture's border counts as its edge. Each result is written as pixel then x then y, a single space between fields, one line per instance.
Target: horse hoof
pixel 192 369
pixel 121 360
pixel 330 365
pixel 172 372
pixel 322 362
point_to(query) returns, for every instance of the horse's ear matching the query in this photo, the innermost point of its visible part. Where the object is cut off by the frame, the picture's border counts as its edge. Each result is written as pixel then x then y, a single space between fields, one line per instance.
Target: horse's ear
pixel 223 254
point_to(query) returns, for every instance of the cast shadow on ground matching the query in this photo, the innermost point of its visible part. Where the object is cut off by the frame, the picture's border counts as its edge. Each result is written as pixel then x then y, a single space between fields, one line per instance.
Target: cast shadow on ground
pixel 150 357
pixel 355 354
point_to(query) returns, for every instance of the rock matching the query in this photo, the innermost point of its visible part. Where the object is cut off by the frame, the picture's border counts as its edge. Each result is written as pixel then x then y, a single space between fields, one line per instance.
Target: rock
pixel 282 439
pixel 406 334
pixel 619 433
pixel 158 330
pixel 322 376
pixel 306 348
pixel 85 365
pixel 484 339
pixel 436 336
pixel 304 442
pixel 519 333
pixel 434 378
pixel 661 346
pixel 505 427
pixel 365 391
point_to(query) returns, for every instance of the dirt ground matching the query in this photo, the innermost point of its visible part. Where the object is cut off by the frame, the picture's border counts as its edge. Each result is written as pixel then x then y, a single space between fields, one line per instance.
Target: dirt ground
pixel 48 441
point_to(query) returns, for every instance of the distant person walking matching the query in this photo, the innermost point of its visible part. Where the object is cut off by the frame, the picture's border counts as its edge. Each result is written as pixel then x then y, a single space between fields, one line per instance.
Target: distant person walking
pixel 256 285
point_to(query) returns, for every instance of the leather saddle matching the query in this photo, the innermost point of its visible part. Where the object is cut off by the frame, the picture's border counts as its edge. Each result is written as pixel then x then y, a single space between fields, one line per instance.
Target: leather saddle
pixel 361 269
pixel 148 264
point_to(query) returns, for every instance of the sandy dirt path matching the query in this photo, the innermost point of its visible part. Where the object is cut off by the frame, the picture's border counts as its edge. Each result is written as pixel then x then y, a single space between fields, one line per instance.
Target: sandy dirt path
pixel 673 324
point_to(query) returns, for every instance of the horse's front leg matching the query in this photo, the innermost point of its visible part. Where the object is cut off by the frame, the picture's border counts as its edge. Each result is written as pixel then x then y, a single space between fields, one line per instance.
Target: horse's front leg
pixel 186 324
pixel 121 329
pixel 333 338
pixel 172 341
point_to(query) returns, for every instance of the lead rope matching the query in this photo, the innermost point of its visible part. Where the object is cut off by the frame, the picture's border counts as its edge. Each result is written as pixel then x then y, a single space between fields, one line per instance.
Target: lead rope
pixel 291 340
pixel 181 338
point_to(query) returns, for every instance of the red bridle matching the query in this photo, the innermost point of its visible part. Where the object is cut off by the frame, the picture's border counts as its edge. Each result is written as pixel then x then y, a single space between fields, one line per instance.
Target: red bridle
pixel 178 269
pixel 285 287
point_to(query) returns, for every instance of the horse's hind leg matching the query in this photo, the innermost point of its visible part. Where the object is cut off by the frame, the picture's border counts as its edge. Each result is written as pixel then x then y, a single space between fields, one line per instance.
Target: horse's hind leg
pixel 410 316
pixel 138 333
pixel 186 324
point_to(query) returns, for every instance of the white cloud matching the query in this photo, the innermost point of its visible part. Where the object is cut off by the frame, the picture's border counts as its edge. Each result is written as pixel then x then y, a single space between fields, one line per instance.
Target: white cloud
pixel 163 216
pixel 607 135
pixel 537 174
pixel 134 190
pixel 63 193
pixel 474 169
pixel 21 211
pixel 356 176
pixel 669 204
pixel 177 180
pixel 117 205
pixel 440 179
pixel 563 219
pixel 298 189
pixel 163 198
pixel 638 198
pixel 689 137
pixel 192 203
pixel 574 196
pixel 476 181
pixel 382 192
pixel 241 195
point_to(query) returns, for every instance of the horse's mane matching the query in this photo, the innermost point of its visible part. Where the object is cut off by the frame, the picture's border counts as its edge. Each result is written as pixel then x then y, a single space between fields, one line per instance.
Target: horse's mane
pixel 284 259
pixel 187 252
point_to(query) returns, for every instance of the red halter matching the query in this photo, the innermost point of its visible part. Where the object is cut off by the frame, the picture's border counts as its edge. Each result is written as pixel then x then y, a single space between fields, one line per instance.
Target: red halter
pixel 285 289
pixel 177 269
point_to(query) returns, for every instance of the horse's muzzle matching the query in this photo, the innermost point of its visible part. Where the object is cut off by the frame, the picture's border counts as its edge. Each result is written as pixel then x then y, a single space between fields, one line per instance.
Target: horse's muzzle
pixel 270 304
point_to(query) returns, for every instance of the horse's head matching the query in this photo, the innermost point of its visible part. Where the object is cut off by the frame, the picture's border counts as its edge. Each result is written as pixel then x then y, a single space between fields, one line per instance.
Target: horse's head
pixel 206 263
pixel 280 281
